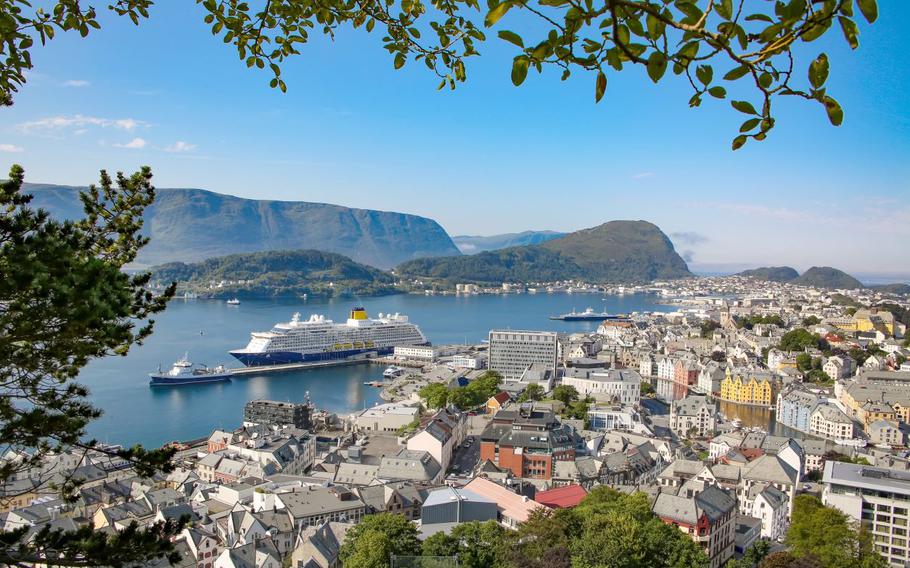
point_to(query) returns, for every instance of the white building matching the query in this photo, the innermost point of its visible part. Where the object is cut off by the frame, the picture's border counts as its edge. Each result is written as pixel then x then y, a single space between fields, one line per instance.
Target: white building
pixel 693 415
pixel 615 385
pixel 468 362
pixel 426 353
pixel 879 498
pixel 828 421
pixel 385 417
pixel 512 351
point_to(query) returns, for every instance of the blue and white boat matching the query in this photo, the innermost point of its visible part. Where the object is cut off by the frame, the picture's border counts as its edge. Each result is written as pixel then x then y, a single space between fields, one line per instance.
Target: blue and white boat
pixel 185 373
pixel 320 339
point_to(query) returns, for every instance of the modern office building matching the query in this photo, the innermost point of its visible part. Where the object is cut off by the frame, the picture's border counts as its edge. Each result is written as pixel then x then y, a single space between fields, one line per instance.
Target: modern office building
pixel 277 413
pixel 877 497
pixel 512 351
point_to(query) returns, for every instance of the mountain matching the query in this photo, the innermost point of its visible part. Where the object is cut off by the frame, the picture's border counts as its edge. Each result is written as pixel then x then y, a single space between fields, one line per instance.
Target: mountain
pixel 827 277
pixel 276 273
pixel 473 244
pixel 892 288
pixel 190 225
pixel 618 251
pixel 771 273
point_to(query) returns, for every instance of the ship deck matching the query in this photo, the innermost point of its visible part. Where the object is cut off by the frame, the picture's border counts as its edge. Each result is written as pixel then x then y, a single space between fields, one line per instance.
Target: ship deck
pixel 298 366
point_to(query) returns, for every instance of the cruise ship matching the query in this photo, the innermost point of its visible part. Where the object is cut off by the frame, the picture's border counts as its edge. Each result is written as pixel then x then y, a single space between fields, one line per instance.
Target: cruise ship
pixel 321 339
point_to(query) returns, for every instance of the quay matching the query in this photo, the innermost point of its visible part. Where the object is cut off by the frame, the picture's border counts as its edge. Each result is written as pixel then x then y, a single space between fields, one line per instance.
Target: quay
pixel 297 366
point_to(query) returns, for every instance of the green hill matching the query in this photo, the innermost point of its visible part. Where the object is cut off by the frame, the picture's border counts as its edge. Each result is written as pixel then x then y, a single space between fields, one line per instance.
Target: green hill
pixel 618 251
pixel 892 288
pixel 771 273
pixel 827 277
pixel 190 225
pixel 276 274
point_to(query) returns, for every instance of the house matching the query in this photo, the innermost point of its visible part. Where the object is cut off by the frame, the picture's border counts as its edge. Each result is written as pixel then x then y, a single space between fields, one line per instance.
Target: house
pixel 404 497
pixel 319 545
pixel 829 421
pixel 564 497
pixel 440 435
pixel 886 432
pixel 410 465
pixel 839 367
pixel 707 516
pixel 497 401
pixel 770 505
pixel 766 470
pixel 512 508
pixel 259 554
pixel 693 416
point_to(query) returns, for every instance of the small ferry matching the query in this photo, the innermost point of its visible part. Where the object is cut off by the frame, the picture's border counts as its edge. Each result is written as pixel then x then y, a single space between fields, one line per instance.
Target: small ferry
pixel 392 372
pixel 233 302
pixel 587 315
pixel 185 373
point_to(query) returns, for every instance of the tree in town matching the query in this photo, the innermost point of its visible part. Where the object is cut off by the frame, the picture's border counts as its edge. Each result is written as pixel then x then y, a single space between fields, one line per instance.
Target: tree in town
pixel 440 544
pixel 752 47
pixel 372 541
pixel 543 541
pixel 830 536
pixel 708 327
pixel 804 362
pixel 753 556
pixel 64 301
pixel 785 559
pixel 533 392
pixel 436 395
pixel 800 340
pixel 811 320
pixel 480 544
pixel 565 394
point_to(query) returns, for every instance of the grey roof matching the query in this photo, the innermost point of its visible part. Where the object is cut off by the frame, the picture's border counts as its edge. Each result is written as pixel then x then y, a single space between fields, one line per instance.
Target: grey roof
pixel 409 465
pixel 770 468
pixel 774 496
pixel 349 473
pixel 691 405
pixel 317 501
pixel 712 502
pixel 448 494
pixel 832 413
pixel 867 477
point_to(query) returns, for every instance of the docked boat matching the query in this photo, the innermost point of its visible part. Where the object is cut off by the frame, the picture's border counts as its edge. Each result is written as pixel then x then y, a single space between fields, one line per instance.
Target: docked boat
pixel 320 339
pixel 587 315
pixel 185 373
pixel 392 372
pixel 233 302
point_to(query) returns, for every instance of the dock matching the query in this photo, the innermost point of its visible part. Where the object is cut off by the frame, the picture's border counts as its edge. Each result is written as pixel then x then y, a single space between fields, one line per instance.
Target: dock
pixel 297 366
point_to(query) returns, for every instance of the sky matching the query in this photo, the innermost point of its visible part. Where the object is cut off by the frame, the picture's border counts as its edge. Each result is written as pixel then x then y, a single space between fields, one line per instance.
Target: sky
pixel 487 158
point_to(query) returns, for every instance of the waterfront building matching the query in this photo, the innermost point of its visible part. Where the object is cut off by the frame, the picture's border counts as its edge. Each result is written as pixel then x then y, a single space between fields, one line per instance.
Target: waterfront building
pixel 795 405
pixel 426 353
pixel 622 386
pixel 693 416
pixel 710 376
pixel 387 417
pixel 876 497
pixel 512 351
pixel 277 413
pixel 665 368
pixel 647 366
pixel 685 371
pixel 828 421
pixel 748 386
pixel 707 516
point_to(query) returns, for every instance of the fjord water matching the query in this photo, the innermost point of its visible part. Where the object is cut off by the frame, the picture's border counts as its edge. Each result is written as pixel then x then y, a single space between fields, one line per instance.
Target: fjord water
pixel 207 329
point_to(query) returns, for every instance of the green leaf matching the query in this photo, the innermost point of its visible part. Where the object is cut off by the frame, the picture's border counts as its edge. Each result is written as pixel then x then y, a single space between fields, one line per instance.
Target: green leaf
pixel 519 69
pixel 704 73
pixel 749 124
pixel 818 71
pixel 744 107
pixel 869 8
pixel 835 113
pixel 717 92
pixel 736 73
pixel 600 86
pixel 851 33
pixel 739 141
pixel 657 65
pixel 511 37
pixel 399 60
pixel 497 13
pixel 655 27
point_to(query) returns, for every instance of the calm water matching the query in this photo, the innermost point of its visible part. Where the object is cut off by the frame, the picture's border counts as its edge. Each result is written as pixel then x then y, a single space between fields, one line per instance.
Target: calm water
pixel 134 412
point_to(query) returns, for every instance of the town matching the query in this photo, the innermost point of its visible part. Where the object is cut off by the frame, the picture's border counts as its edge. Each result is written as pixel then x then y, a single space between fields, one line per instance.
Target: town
pixel 718 416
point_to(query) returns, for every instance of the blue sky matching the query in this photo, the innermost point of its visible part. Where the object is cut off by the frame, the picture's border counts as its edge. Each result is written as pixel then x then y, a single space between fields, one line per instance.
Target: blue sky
pixel 487 158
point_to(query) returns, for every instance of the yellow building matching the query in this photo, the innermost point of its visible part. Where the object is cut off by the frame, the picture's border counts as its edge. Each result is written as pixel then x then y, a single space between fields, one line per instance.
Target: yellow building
pixel 867 320
pixel 748 388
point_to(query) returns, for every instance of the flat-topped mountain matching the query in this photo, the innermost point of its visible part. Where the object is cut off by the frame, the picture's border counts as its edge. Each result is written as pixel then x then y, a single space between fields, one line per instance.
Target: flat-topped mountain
pixel 276 273
pixel 617 251
pixel 193 224
pixel 772 273
pixel 468 244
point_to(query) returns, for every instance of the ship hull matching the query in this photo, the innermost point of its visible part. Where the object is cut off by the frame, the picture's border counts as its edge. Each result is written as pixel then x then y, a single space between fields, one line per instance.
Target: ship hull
pixel 165 381
pixel 293 357
pixel 592 317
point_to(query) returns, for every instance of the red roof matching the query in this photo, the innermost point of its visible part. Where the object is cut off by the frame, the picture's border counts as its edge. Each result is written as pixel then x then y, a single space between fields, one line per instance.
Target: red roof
pixel 501 397
pixel 561 497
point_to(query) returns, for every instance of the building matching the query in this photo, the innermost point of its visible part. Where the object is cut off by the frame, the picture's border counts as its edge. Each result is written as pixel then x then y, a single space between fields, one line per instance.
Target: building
pixel 839 367
pixel 707 516
pixel 710 376
pixel 693 416
pixel 387 417
pixel 468 362
pixel 622 386
pixel 748 386
pixel 410 465
pixel 425 353
pixel 440 435
pixel 564 497
pixel 512 351
pixel 311 506
pixel 616 418
pixel 829 421
pixel 761 472
pixel 497 401
pixel 795 406
pixel 447 507
pixel 512 508
pixel 277 413
pixel 878 498
pixel 887 433
pixel 527 441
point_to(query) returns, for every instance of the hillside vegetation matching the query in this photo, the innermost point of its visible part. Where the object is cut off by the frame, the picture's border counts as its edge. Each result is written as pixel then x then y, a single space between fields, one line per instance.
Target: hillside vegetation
pixel 276 274
pixel 817 276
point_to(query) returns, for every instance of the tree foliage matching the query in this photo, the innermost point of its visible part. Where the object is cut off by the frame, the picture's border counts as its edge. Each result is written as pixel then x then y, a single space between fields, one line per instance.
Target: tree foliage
pixel 565 394
pixel 710 44
pixel 435 394
pixel 64 301
pixel 475 393
pixel 800 340
pixel 533 392
pixel 828 535
pixel 376 537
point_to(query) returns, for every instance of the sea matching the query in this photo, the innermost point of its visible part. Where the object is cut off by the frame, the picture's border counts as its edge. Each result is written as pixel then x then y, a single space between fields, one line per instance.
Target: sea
pixel 206 330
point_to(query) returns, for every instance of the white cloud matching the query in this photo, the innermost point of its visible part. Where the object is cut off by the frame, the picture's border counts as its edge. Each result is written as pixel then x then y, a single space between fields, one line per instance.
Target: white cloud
pixel 58 123
pixel 10 148
pixel 133 144
pixel 180 146
pixel 76 83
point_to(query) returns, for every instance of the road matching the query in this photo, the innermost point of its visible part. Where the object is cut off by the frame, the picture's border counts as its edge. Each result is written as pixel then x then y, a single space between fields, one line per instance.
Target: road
pixel 655 407
pixel 465 459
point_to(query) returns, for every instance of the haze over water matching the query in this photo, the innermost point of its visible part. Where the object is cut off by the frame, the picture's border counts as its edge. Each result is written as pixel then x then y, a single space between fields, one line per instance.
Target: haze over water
pixel 207 329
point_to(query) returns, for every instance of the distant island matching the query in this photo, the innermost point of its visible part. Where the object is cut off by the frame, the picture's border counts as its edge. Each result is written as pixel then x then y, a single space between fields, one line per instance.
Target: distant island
pixel 817 276
pixel 290 273
pixel 469 244
pixel 617 251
